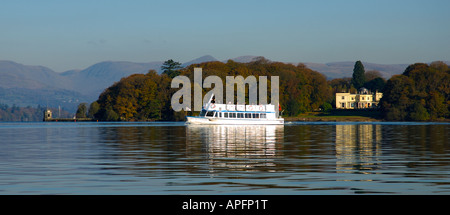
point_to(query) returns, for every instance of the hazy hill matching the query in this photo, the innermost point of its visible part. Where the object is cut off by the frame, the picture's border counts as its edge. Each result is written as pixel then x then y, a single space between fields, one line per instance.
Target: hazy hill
pixel 203 59
pixel 15 75
pixel 23 85
pixel 94 79
pixel 345 69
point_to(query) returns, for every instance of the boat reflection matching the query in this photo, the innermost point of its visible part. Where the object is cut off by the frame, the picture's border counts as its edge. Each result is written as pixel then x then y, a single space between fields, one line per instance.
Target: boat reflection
pixel 358 147
pixel 237 147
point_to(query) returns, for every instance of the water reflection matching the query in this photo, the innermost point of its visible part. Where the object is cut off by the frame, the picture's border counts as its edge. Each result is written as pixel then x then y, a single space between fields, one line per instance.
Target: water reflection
pixel 248 148
pixel 358 147
pixel 171 158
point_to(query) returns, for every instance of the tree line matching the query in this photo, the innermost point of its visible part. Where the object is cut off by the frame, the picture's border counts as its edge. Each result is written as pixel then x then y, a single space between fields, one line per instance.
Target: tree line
pixel 422 92
pixel 147 96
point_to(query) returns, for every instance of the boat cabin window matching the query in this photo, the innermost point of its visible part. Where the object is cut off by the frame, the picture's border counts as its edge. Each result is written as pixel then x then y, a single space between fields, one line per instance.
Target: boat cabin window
pixel 234 115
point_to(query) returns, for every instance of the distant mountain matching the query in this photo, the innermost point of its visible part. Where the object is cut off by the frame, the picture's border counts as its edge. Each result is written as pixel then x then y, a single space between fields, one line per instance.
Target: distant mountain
pixel 15 75
pixel 94 79
pixel 203 59
pixel 25 85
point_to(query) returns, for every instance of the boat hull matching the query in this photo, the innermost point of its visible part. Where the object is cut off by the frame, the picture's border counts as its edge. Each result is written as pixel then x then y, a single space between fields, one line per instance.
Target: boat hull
pixel 236 121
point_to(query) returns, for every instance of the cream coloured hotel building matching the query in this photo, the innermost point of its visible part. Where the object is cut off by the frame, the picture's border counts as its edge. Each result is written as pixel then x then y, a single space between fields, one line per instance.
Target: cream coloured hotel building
pixel 363 99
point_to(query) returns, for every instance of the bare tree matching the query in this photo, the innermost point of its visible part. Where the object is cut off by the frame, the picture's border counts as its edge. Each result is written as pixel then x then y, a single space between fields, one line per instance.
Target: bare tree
pixel 372 74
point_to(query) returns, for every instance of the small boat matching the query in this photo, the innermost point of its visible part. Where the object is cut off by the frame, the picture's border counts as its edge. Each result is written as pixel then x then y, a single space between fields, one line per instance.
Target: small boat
pixel 231 114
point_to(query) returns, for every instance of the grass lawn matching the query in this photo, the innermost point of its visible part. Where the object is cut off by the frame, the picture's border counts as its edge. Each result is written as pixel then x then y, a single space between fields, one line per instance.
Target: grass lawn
pixel 339 115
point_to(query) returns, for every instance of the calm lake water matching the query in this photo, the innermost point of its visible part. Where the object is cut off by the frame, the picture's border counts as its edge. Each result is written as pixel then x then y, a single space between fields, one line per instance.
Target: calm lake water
pixel 172 158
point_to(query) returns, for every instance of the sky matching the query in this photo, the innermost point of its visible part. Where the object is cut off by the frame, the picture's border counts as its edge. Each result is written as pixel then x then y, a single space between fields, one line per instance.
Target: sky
pixel 65 35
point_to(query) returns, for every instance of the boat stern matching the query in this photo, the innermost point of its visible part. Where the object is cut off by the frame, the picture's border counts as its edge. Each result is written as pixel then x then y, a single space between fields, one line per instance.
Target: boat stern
pixel 196 120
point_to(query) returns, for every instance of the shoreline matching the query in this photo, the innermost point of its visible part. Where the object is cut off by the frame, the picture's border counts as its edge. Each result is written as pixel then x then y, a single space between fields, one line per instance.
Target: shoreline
pixel 331 119
pixel 286 119
pixel 347 116
pixel 338 116
pixel 350 119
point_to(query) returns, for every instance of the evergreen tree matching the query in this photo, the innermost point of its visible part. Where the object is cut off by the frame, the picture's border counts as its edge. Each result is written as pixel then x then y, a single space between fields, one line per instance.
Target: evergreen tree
pixel 358 78
pixel 171 68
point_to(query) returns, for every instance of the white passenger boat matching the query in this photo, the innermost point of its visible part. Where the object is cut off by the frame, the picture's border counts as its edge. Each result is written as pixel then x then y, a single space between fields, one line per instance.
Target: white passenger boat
pixel 230 114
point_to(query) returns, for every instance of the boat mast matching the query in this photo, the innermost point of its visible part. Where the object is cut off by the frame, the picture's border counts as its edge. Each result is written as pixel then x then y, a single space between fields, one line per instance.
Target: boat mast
pixel 209 102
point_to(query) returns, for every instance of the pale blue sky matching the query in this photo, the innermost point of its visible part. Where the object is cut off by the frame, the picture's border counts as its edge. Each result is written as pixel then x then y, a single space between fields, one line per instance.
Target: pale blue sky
pixel 65 35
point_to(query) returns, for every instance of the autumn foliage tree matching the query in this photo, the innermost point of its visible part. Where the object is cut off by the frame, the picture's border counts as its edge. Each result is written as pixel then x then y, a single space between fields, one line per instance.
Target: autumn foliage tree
pixel 301 89
pixel 148 97
pixel 421 93
pixel 137 97
pixel 81 111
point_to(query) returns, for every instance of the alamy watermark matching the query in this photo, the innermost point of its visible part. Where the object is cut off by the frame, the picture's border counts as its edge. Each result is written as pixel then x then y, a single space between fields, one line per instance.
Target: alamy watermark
pixel 231 82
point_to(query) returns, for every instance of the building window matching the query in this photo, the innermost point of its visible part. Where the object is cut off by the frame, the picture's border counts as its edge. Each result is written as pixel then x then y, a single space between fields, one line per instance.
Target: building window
pixel 343 97
pixel 343 105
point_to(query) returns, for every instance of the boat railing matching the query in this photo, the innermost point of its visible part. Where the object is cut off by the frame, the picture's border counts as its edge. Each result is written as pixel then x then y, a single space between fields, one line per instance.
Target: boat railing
pixel 232 107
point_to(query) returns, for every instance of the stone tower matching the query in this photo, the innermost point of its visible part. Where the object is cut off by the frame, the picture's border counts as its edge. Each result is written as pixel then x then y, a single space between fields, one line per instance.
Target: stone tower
pixel 47 115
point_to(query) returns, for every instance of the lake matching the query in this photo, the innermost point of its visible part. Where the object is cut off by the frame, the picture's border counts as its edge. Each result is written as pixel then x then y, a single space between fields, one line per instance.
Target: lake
pixel 304 158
